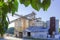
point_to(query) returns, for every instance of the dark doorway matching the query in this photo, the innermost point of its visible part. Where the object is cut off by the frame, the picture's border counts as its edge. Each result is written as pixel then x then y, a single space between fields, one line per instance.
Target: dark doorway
pixel 29 34
pixel 20 34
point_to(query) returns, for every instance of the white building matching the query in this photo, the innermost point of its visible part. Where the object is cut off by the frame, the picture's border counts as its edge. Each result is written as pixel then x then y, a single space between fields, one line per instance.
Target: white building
pixel 57 26
pixel 36 32
pixel 39 22
pixel 48 24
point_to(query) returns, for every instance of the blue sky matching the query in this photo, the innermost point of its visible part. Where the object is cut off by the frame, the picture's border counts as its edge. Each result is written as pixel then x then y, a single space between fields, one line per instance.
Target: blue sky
pixel 53 10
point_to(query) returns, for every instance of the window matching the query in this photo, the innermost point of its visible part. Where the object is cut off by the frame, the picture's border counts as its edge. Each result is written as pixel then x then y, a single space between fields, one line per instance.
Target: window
pixel 28 34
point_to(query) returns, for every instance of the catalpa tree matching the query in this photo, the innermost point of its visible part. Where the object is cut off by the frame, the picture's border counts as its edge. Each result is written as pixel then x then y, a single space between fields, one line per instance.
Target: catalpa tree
pixel 11 6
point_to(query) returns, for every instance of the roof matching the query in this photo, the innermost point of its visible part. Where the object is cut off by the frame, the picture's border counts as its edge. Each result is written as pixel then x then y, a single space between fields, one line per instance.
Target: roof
pixel 20 16
pixel 31 14
pixel 36 29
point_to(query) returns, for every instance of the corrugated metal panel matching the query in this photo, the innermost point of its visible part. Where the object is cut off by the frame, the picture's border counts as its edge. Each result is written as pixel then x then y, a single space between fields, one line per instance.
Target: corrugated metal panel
pixel 36 29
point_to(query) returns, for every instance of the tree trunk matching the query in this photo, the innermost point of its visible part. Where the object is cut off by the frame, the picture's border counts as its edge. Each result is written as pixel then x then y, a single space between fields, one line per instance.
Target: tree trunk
pixel 1 35
pixel 8 19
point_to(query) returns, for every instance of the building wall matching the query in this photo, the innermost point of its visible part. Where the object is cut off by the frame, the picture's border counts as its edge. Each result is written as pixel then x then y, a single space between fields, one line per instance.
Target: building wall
pixel 24 34
pixel 48 24
pixel 31 22
pixel 40 23
pixel 57 26
pixel 25 23
pixel 36 34
pixel 37 22
pixel 52 24
pixel 20 25
pixel 16 33
pixel 39 34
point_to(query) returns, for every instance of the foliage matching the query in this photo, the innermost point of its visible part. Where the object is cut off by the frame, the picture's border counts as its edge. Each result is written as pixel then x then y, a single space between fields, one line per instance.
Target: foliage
pixel 11 6
pixel 59 29
pixel 37 4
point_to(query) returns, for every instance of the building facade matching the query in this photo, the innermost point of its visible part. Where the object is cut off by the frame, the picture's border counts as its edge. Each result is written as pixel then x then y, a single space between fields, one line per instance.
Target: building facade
pixel 22 23
pixel 54 25
pixel 29 25
pixel 35 32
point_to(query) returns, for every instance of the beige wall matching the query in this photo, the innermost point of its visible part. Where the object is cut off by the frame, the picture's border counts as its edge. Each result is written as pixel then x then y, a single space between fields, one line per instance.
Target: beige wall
pixel 31 22
pixel 24 23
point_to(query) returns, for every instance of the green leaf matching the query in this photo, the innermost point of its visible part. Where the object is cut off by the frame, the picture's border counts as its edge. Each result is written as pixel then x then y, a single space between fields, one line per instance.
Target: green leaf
pixel 9 0
pixel 36 4
pixel 1 4
pixel 25 2
pixel 9 7
pixel 14 7
pixel 5 8
pixel 22 1
pixel 46 4
pixel 1 0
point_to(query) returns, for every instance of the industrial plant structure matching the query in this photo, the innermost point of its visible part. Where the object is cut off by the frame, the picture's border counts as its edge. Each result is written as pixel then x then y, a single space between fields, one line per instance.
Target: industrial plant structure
pixel 30 26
